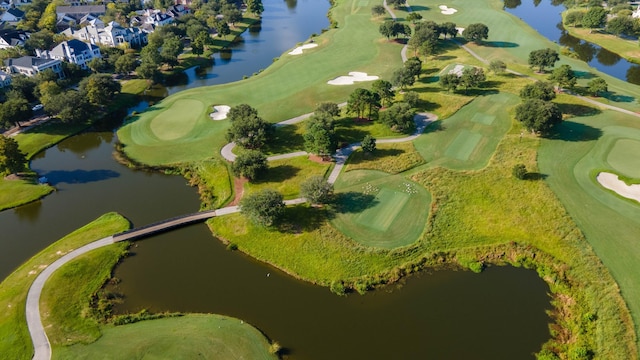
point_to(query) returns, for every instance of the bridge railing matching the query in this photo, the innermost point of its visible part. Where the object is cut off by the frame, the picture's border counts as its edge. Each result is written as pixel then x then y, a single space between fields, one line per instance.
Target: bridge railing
pixel 163 225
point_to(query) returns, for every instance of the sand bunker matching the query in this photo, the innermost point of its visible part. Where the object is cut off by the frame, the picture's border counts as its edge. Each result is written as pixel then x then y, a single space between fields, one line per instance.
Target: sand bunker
pixel 457 70
pixel 445 10
pixel 299 49
pixel 611 182
pixel 352 78
pixel 220 112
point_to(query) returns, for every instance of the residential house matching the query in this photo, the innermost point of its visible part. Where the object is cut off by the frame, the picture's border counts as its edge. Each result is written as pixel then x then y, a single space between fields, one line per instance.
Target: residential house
pixel 75 16
pixel 12 15
pixel 5 79
pixel 5 5
pixel 12 37
pixel 111 35
pixel 75 52
pixel 30 65
pixel 151 17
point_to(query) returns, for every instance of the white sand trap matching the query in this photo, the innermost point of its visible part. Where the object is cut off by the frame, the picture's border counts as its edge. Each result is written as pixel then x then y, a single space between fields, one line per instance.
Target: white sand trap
pixel 445 10
pixel 299 49
pixel 352 78
pixel 460 30
pixel 611 182
pixel 220 112
pixel 457 70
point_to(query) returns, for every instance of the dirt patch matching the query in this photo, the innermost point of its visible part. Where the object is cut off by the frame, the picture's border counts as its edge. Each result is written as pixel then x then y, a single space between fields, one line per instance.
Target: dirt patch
pixel 320 159
pixel 238 189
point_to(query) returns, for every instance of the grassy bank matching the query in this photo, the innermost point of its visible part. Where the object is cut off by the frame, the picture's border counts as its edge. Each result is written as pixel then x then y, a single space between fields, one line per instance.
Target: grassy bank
pixel 15 342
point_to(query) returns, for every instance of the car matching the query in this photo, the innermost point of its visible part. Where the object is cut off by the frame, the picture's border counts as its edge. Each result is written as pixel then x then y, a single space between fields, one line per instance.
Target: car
pixel 37 107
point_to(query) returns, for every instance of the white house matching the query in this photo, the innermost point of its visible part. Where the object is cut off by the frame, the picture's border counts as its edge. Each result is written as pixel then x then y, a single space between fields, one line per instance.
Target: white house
pixel 30 65
pixel 12 15
pixel 5 79
pixel 111 35
pixel 75 52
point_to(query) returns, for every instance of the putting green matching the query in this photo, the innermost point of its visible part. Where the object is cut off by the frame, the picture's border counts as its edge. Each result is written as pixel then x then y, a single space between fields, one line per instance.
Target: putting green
pixel 178 120
pixel 380 210
pixel 387 205
pixel 624 157
pixel 463 145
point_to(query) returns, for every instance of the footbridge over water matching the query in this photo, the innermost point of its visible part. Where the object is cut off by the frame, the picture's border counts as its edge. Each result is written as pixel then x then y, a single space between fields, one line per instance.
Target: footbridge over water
pixel 164 225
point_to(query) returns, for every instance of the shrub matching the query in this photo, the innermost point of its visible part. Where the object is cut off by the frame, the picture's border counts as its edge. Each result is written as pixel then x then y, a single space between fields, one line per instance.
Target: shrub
pixel 232 246
pixel 316 190
pixel 263 208
pixel 519 171
pixel 338 288
pixel 250 164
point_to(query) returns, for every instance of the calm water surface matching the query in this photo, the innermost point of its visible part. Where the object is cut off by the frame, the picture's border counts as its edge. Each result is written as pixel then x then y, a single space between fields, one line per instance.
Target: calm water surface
pixel 545 18
pixel 499 314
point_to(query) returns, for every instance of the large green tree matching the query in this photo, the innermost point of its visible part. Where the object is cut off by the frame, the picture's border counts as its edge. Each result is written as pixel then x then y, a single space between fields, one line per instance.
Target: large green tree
pixel 12 160
pixel 125 64
pixel 541 90
pixel 14 111
pixel 564 76
pixel 363 102
pixel 384 89
pixel 263 207
pixel 255 7
pixel 597 86
pixel 248 130
pixel 316 190
pixel 399 117
pixel 100 89
pixel 472 77
pixel 538 116
pixel 320 136
pixel 476 32
pixel 595 17
pixel 71 107
pixel 449 81
pixel 543 58
pixel 330 108
pixel 250 164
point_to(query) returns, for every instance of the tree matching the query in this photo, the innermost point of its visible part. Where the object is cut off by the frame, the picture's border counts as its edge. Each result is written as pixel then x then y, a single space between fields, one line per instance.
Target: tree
pixel 543 58
pixel 538 116
pixel 396 3
pixel 330 108
pixel 564 76
pixel 402 78
pixel 519 171
pixel 497 66
pixel 100 89
pixel 414 17
pixel 171 47
pixel 595 17
pixel 384 89
pixel 399 117
pixel 388 29
pixel 413 66
pixel 255 7
pixel 449 81
pixel 25 86
pixel 316 190
pixel 223 29
pixel 42 39
pixel 125 64
pixel 472 77
pixel 198 44
pixel 476 32
pixel 250 164
pixel 12 159
pixel 248 130
pixel 320 137
pixel 449 29
pixel 597 86
pixel 263 208
pixel 620 25
pixel 48 90
pixel 368 144
pixel 71 107
pixel 426 31
pixel 362 100
pixel 541 90
pixel 13 111
pixel 412 98
pixel 378 10
pixel 98 65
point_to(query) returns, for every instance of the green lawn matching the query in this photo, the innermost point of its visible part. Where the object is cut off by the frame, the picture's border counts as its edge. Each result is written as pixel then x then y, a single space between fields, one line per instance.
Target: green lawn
pixel 18 192
pixel 391 158
pixel 385 212
pixel 610 223
pixel 287 81
pixel 15 342
pixel 195 336
pixel 286 176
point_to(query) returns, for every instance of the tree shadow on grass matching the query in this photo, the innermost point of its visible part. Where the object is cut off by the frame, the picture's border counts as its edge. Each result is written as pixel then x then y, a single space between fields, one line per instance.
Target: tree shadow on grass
pixel 612 96
pixel 534 176
pixel 578 109
pixel 500 44
pixel 302 218
pixel 353 202
pixel 491 84
pixel 278 173
pixel 285 140
pixel 435 126
pixel 573 131
pixel 419 8
pixel 583 74
pixel 379 153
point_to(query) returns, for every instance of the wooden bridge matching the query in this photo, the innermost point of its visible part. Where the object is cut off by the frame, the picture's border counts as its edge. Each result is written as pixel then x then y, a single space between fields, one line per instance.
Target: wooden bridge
pixel 163 225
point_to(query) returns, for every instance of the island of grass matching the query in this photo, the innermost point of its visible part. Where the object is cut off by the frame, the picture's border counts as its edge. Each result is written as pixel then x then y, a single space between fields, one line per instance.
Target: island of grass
pixel 478 213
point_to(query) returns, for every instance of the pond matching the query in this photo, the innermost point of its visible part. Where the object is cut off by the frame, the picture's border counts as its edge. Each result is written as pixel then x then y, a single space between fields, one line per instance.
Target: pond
pixel 545 17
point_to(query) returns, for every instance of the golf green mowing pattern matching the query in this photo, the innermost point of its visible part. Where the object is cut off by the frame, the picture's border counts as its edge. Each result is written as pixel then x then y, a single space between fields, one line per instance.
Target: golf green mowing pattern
pixel 196 336
pixel 463 145
pixel 625 157
pixel 484 119
pixel 178 120
pixel 387 205
pixel 380 210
